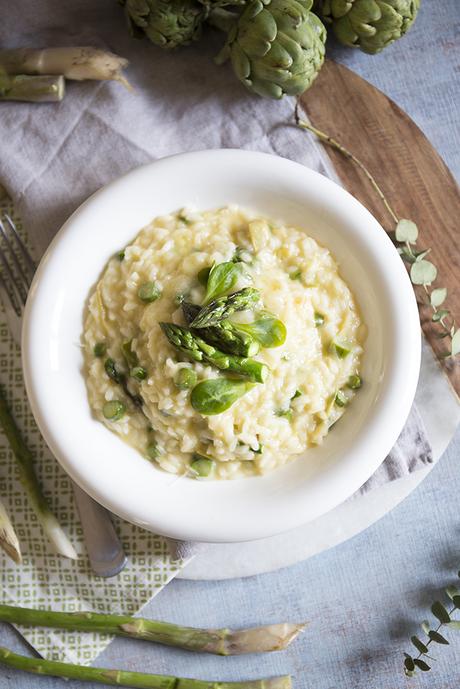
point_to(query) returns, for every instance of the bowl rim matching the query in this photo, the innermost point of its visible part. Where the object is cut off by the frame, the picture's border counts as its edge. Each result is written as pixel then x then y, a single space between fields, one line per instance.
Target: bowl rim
pixel 395 394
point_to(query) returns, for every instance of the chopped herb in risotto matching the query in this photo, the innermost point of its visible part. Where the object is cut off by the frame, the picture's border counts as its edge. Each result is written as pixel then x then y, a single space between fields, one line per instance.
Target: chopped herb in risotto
pixel 220 344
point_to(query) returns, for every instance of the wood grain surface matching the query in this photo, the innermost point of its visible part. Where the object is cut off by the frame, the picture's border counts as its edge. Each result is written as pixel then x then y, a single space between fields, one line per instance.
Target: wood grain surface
pixel 412 175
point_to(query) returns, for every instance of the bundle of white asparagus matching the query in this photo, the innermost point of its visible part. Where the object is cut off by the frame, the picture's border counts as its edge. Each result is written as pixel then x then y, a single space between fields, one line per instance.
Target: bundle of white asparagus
pixel 27 74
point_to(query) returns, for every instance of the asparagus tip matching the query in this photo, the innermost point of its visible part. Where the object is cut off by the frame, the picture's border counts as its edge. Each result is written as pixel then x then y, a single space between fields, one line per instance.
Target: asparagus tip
pixel 8 539
pixel 274 637
pixel 10 544
pixel 58 538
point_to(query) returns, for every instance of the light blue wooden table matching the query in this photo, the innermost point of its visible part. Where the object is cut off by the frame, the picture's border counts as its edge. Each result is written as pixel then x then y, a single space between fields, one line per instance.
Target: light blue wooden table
pixel 365 597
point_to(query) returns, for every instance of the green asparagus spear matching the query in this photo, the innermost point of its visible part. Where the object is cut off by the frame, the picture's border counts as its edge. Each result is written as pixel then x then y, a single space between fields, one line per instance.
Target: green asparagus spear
pixel 224 335
pixel 29 480
pixel 118 377
pixel 273 637
pixel 223 307
pixel 198 350
pixel 126 678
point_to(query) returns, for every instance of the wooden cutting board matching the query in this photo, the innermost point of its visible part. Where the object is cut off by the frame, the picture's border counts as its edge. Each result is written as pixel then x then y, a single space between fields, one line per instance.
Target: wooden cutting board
pixel 414 178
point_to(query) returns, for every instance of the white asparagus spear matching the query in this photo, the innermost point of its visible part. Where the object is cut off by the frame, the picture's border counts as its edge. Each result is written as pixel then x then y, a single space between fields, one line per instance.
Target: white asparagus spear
pixel 8 539
pixel 77 63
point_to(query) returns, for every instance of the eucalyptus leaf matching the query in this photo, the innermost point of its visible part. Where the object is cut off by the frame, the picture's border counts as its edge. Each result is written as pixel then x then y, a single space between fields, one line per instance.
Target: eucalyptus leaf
pixel 420 255
pixel 437 638
pixel 456 601
pixel 438 296
pixel 424 667
pixel 439 315
pixel 406 231
pixel 455 345
pixel 409 663
pixel 426 627
pixel 221 279
pixel 419 645
pixel 440 612
pixel 407 254
pixel 423 272
pixel 452 591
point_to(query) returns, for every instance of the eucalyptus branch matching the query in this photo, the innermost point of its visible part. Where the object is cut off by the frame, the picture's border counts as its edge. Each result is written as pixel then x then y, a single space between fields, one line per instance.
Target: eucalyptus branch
pixel 422 272
pixel 444 618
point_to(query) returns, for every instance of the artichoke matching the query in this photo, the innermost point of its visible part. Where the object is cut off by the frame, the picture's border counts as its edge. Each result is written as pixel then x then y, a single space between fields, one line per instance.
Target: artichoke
pixel 368 24
pixel 167 23
pixel 276 46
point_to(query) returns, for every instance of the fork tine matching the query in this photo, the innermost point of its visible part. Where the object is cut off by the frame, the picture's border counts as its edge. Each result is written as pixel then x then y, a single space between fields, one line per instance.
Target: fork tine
pixel 21 279
pixel 9 287
pixel 13 317
pixel 27 257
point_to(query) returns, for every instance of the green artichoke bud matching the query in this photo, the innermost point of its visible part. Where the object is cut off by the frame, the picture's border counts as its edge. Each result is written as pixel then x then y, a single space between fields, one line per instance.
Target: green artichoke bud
pixel 167 23
pixel 368 24
pixel 276 47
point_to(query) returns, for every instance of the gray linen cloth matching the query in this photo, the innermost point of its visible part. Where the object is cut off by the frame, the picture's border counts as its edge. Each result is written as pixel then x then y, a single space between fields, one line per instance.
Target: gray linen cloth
pixel 54 156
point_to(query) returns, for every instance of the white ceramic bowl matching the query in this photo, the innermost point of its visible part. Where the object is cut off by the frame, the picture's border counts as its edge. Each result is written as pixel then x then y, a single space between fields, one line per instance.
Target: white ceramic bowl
pixel 116 475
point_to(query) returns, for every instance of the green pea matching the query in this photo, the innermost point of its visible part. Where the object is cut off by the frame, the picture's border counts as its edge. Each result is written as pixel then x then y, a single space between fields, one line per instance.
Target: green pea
pixel 100 349
pixel 286 413
pixel 218 394
pixel 319 319
pixel 203 276
pixel 341 400
pixel 120 255
pixel 342 350
pixel 149 292
pixel 296 274
pixel 354 382
pixel 200 465
pixel 139 373
pixel 114 410
pixel 153 451
pixel 186 378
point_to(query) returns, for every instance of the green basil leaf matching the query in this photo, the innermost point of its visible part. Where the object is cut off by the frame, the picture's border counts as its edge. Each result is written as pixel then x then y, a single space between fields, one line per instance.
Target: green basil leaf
pixel 216 395
pixel 267 330
pixel 222 278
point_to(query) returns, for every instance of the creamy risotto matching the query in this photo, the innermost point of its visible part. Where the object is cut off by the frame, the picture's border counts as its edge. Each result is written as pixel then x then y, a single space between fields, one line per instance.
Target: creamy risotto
pixel 221 344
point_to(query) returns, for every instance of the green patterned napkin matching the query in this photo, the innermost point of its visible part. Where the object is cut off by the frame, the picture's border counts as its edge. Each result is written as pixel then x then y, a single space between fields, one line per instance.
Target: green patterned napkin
pixel 45 580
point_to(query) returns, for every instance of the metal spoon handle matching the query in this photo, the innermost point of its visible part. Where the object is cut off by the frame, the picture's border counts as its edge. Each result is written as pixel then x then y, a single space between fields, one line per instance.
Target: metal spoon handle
pixel 104 549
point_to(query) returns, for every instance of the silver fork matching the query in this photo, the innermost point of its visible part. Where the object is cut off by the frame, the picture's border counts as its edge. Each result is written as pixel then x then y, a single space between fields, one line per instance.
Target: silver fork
pixel 17 269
